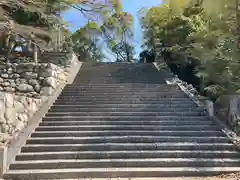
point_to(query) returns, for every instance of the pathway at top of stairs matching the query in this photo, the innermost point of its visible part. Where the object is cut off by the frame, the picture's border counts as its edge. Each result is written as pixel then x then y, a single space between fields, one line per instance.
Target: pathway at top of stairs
pixel 122 120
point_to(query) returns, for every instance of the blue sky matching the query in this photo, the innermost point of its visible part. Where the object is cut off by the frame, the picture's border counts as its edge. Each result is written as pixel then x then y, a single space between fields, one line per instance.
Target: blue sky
pixel 132 6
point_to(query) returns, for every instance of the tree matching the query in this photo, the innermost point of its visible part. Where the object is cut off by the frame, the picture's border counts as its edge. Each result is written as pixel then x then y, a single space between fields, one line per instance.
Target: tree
pixel 201 35
pixel 86 42
pixel 117 32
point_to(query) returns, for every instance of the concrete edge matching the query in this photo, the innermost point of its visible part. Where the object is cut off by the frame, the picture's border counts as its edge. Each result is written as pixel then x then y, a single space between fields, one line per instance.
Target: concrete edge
pixel 8 151
pixel 223 126
pixel 3 160
pixel 75 70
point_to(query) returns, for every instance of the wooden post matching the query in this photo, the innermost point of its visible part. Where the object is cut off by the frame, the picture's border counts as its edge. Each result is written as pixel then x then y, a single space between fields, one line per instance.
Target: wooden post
pixel 35 55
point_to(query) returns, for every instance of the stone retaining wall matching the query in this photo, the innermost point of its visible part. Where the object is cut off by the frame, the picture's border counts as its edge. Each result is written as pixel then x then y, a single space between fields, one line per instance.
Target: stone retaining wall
pixel 23 89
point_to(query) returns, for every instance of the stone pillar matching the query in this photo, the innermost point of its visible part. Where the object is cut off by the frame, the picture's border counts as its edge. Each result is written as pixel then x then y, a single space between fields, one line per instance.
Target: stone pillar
pixel 210 108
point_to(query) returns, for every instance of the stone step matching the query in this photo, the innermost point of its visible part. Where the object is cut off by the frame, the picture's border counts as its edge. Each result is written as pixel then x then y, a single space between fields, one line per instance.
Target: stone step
pixel 114 80
pixel 110 163
pixel 125 106
pixel 125 155
pixel 56 114
pixel 125 101
pixel 133 97
pixel 127 127
pixel 114 72
pixel 143 86
pixel 123 92
pixel 120 70
pixel 119 91
pixel 129 118
pixel 150 109
pixel 204 133
pixel 123 98
pixel 134 94
pixel 116 69
pixel 119 88
pixel 191 146
pixel 128 76
pixel 125 139
pixel 131 84
pixel 135 172
pixel 120 122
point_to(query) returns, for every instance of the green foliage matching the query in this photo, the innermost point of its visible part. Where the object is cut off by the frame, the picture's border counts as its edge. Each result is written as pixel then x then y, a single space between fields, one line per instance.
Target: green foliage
pixel 113 31
pixel 199 33
pixel 85 43
pixel 117 32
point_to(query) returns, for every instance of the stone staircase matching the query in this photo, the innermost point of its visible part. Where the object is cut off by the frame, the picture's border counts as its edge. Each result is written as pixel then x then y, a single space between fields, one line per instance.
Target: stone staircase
pixel 122 120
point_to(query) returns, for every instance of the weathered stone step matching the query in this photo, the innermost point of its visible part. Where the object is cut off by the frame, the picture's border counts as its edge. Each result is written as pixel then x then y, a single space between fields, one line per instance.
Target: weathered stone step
pixel 204 133
pixel 120 122
pixel 120 88
pixel 128 100
pixel 125 106
pixel 165 98
pixel 123 98
pixel 119 91
pixel 118 69
pixel 104 102
pixel 126 113
pixel 110 163
pixel 129 118
pixel 126 127
pixel 118 172
pixel 125 155
pixel 119 85
pixel 114 70
pixel 138 94
pixel 128 146
pixel 147 109
pixel 125 139
pixel 114 80
pixel 126 94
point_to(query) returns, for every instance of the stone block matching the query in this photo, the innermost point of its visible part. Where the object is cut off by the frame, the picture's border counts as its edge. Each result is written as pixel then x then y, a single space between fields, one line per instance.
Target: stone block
pixel 24 88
